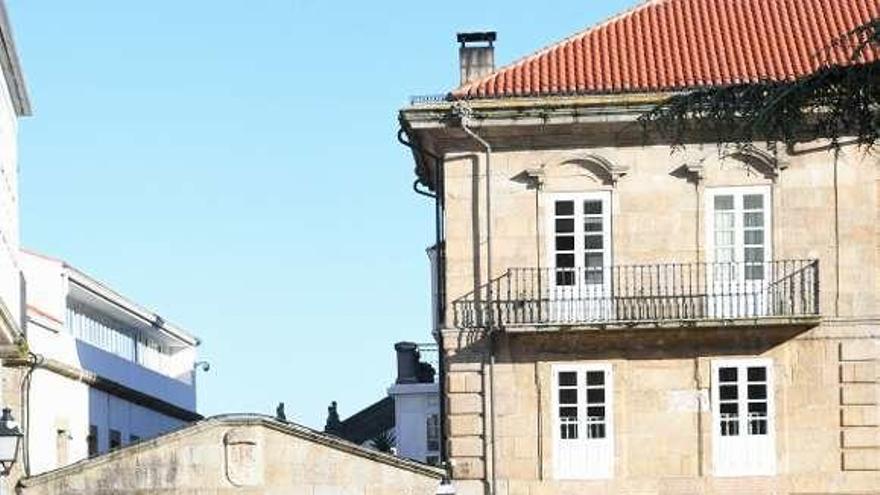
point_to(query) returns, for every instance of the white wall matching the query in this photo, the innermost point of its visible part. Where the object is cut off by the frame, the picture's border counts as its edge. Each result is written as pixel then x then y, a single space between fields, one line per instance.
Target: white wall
pixel 413 403
pixel 10 279
pixel 65 407
pixel 62 409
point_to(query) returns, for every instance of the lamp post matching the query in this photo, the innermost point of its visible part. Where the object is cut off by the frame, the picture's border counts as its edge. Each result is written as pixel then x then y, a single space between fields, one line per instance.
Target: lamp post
pixel 10 439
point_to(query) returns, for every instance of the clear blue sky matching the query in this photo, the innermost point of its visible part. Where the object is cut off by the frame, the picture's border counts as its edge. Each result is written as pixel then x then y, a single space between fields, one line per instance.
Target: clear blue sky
pixel 233 165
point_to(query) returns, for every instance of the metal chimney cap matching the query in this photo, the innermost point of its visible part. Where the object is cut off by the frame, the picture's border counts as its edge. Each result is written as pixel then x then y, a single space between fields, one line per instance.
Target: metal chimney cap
pixel 476 37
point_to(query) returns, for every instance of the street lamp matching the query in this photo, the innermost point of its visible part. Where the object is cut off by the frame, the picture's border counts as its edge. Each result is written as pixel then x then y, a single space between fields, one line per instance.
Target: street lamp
pixel 10 438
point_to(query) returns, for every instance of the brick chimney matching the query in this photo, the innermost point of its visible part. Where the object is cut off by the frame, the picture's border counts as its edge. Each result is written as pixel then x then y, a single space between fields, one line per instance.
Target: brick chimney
pixel 476 55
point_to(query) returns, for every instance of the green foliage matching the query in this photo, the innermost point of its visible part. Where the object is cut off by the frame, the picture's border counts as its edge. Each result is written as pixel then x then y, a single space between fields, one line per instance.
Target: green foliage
pixel 838 102
pixel 383 442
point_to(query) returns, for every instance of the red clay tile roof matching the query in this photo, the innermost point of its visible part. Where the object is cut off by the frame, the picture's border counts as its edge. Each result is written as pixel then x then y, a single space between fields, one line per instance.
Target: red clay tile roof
pixel 674 44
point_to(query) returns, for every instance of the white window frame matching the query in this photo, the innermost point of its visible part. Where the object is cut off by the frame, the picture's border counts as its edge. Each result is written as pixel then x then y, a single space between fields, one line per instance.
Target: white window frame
pixel 732 293
pixel 579 301
pixel 579 198
pixel 740 191
pixel 607 470
pixel 723 467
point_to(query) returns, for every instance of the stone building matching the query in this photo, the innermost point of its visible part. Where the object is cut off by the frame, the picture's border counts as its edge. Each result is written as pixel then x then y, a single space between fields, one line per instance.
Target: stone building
pixel 619 318
pixel 124 373
pixel 247 454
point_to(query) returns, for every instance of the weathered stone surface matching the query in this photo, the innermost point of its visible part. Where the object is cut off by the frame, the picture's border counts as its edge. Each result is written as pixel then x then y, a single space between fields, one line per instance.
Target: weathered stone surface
pixel 861 460
pixel 858 394
pixel 856 438
pixel 241 454
pixel 859 416
pixel 859 372
pixel 855 350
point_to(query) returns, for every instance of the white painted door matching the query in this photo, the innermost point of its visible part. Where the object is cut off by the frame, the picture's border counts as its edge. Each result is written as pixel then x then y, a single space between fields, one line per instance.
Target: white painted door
pixel 580 257
pixel 738 241
pixel 743 418
pixel 583 438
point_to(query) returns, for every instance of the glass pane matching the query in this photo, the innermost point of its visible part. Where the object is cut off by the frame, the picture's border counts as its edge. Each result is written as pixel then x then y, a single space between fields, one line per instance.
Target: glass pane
pixel 568 413
pixel 568 431
pixel 595 395
pixel 568 378
pixel 564 225
pixel 596 430
pixel 565 243
pixel 753 201
pixel 595 378
pixel 724 255
pixel 758 374
pixel 565 278
pixel 758 407
pixel 723 237
pixel 568 396
pixel 593 225
pixel 755 237
pixel 728 392
pixel 564 260
pixel 755 272
pixel 565 207
pixel 593 260
pixel 757 392
pixel 754 255
pixel 724 220
pixel 724 202
pixel 729 427
pixel 593 207
pixel 754 219
pixel 729 408
pixel 593 242
pixel 594 277
pixel 727 374
pixel 596 412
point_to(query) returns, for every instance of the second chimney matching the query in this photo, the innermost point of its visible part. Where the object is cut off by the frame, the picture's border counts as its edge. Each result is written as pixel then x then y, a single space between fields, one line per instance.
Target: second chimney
pixel 476 55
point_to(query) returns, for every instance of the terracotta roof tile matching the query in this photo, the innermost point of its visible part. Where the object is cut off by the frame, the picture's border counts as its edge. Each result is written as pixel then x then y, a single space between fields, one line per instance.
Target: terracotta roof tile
pixel 665 45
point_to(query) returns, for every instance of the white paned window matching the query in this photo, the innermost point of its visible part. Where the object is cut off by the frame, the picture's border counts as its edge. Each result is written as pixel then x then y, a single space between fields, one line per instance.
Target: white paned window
pixel 579 236
pixel 742 409
pixel 583 431
pixel 739 250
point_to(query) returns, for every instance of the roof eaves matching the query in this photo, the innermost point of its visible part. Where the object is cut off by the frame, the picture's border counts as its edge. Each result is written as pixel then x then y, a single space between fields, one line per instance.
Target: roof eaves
pixel 101 290
pixel 12 71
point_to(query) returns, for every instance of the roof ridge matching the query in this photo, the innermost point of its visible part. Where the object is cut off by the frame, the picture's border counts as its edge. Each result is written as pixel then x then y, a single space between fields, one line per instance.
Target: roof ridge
pixel 642 4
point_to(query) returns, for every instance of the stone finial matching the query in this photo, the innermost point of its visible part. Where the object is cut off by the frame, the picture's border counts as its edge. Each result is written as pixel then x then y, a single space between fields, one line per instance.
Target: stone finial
pixel 333 423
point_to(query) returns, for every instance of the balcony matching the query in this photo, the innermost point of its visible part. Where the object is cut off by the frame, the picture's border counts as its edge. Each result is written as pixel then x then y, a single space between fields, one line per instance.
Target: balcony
pixel 671 294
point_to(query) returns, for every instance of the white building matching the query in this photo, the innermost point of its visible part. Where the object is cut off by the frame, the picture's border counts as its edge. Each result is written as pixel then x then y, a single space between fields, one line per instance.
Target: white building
pixel 13 104
pixel 108 372
pixel 416 404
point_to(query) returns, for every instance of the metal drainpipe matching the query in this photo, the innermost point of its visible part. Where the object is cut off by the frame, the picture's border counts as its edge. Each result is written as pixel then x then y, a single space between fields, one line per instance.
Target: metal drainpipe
pixel 464 114
pixel 440 260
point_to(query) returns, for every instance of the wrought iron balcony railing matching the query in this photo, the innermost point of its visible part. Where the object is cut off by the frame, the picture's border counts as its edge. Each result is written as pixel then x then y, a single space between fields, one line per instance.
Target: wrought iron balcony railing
pixel 635 294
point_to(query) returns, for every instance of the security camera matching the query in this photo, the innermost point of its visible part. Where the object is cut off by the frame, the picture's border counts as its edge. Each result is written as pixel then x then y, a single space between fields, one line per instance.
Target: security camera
pixel 204 365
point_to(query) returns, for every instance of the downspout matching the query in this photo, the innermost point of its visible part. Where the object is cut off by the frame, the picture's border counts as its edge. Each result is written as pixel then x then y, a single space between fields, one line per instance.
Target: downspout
pixel 464 114
pixel 440 266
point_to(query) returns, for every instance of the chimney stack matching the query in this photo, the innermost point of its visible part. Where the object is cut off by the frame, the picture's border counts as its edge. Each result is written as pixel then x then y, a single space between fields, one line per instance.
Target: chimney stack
pixel 476 55
pixel 407 362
